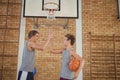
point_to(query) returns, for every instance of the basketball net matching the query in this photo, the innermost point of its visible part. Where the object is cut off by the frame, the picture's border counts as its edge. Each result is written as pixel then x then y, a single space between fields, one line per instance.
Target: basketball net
pixel 51 8
pixel 51 14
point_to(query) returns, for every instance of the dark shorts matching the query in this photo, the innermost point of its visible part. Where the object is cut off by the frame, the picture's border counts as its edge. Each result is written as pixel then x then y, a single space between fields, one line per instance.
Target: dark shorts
pixel 25 75
pixel 64 79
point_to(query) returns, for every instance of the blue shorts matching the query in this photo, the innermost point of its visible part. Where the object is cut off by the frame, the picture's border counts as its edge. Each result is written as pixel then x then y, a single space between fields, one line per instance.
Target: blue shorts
pixel 64 79
pixel 23 75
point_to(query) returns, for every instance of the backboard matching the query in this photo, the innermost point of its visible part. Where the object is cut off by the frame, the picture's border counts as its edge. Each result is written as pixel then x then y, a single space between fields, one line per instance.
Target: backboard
pixel 62 8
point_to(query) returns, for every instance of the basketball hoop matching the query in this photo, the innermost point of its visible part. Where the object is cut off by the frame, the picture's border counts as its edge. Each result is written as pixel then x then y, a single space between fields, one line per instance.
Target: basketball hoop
pixel 51 8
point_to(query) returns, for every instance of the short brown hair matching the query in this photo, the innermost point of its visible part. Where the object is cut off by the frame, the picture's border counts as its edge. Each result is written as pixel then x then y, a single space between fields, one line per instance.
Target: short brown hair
pixel 70 37
pixel 32 33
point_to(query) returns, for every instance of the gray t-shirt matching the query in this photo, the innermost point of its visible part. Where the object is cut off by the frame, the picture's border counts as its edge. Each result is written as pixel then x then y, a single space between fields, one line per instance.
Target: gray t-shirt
pixel 28 59
pixel 65 71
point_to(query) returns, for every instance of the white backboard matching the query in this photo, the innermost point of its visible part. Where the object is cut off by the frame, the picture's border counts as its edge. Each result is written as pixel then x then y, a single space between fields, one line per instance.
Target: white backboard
pixel 35 8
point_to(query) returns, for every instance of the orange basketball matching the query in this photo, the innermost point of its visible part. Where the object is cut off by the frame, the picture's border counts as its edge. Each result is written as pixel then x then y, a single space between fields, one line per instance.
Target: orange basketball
pixel 74 64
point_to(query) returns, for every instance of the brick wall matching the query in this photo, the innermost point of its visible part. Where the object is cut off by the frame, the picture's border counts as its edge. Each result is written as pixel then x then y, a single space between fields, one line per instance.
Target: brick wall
pixel 98 17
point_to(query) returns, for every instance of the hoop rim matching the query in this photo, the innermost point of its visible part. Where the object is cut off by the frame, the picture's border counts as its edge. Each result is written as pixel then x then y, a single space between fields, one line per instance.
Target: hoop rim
pixel 54 9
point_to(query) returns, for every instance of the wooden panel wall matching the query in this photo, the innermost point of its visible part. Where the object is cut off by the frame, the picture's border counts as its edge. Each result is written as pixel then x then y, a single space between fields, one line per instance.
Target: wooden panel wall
pixel 104 57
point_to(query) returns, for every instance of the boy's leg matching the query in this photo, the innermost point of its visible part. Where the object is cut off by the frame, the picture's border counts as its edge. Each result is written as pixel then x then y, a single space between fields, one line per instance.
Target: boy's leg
pixel 19 75
pixel 30 76
pixel 64 79
pixel 22 75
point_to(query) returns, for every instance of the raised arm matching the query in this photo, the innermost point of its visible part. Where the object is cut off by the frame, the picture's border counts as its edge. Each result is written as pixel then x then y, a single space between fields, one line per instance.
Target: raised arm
pixel 48 40
pixel 39 46
pixel 36 46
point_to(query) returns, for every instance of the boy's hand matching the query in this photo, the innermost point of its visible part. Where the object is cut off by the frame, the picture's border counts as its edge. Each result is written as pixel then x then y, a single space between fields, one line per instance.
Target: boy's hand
pixel 75 76
pixel 51 50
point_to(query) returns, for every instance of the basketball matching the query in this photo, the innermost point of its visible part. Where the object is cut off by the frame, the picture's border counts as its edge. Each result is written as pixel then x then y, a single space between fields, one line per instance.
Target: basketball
pixel 74 64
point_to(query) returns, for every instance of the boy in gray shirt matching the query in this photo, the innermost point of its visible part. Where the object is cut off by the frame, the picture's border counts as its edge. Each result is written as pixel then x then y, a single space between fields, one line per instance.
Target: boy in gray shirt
pixel 28 58
pixel 66 73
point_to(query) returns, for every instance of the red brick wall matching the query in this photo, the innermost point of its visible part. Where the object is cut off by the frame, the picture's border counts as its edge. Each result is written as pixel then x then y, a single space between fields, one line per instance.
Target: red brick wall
pixel 98 17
